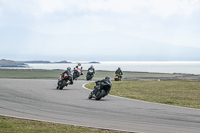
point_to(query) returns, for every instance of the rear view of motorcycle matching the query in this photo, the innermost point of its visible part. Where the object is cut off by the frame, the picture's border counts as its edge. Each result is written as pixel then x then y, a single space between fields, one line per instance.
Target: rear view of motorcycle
pixel 90 74
pixel 76 74
pixel 118 77
pixel 63 81
pixel 101 89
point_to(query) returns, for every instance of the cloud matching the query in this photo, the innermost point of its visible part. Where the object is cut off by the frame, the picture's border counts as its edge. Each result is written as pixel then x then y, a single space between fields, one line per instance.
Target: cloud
pixel 174 7
pixel 0 11
pixel 164 8
pixel 93 22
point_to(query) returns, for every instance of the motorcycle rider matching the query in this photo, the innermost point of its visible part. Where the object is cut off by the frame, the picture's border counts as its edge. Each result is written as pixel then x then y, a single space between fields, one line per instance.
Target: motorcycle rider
pixel 91 68
pixel 69 77
pixel 119 72
pixel 79 68
pixel 100 82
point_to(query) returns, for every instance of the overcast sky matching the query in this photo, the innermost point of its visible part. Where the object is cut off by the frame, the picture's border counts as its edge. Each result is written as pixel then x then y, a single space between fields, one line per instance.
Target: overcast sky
pixel 100 30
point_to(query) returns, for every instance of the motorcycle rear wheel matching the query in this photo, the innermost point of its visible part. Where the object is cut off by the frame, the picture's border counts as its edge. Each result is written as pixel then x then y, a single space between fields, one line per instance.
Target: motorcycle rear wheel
pixel 102 94
pixel 60 88
pixel 88 78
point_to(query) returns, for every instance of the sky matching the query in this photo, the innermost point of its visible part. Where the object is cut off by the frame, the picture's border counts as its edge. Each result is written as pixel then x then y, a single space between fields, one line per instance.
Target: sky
pixel 100 30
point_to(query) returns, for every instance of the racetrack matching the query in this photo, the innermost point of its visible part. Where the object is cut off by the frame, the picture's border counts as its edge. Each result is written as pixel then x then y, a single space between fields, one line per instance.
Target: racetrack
pixel 39 100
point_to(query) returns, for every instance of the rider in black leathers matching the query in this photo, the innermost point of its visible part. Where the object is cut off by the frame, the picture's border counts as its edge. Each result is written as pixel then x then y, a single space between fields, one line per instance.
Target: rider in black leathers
pixel 99 84
pixel 91 68
pixel 68 72
pixel 119 71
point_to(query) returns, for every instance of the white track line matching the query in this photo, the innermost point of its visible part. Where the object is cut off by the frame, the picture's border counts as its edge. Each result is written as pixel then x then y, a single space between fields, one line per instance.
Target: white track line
pixel 141 100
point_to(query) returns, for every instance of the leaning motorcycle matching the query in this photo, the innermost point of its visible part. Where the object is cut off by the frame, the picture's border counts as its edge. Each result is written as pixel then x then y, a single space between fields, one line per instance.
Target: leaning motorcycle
pixel 75 74
pixel 102 89
pixel 90 74
pixel 63 81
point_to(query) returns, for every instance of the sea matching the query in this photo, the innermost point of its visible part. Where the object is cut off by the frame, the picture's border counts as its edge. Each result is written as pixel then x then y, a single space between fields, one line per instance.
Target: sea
pixel 186 67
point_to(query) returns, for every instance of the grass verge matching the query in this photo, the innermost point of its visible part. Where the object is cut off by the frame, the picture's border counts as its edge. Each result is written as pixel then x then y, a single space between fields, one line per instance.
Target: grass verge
pixel 128 76
pixel 15 125
pixel 179 93
pixel 29 73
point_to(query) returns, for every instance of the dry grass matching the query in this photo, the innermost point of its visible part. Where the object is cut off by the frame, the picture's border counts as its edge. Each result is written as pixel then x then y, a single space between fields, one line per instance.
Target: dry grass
pixel 179 93
pixel 15 125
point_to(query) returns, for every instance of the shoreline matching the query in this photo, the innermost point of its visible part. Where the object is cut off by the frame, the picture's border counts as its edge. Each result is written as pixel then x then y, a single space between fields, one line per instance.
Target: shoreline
pixel 168 67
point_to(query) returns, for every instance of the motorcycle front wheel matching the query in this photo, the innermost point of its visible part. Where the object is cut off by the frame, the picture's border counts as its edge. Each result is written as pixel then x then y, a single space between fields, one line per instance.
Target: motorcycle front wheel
pixel 90 96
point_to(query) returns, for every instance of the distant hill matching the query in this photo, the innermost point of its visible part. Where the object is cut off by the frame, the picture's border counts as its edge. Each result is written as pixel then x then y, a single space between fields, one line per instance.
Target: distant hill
pixel 10 63
pixel 35 61
pixel 94 62
pixel 62 62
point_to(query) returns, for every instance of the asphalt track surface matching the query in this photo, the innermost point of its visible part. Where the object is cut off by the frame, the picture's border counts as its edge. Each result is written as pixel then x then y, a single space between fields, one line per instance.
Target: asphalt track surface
pixel 39 100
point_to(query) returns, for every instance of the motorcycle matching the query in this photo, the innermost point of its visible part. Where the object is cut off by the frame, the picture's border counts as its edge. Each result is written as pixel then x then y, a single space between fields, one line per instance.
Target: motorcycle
pixel 63 81
pixel 118 77
pixel 102 89
pixel 75 74
pixel 90 74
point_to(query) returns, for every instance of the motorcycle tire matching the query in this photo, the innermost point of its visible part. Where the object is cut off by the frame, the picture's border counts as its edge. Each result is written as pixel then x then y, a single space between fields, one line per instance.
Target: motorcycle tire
pixel 75 76
pixel 90 96
pixel 88 78
pixel 60 88
pixel 102 94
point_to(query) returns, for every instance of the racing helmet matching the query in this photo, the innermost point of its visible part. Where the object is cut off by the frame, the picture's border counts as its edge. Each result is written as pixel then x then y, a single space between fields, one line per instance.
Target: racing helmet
pixel 69 68
pixel 107 78
pixel 79 64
